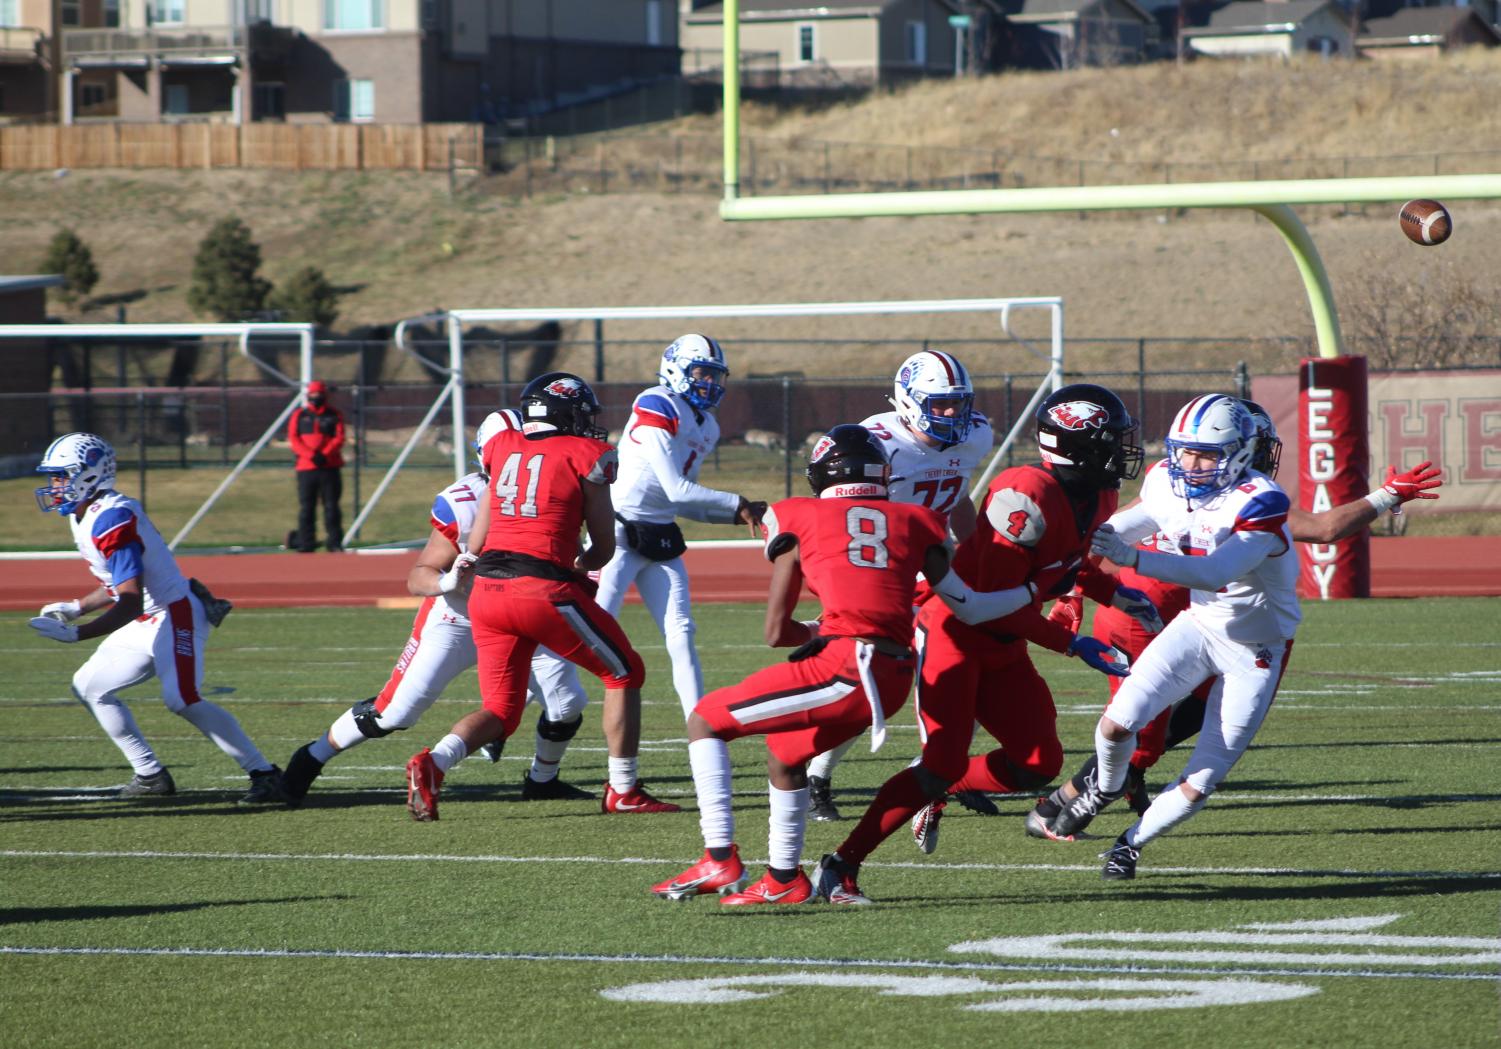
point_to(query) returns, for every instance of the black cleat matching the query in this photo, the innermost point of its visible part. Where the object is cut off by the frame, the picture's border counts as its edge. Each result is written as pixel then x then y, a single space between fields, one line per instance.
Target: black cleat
pixel 158 784
pixel 265 788
pixel 494 749
pixel 821 800
pixel 1120 861
pixel 1080 812
pixel 977 801
pixel 1137 795
pixel 302 769
pixel 551 790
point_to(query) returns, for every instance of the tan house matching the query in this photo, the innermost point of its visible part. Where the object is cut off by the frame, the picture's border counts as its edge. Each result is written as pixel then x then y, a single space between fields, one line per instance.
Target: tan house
pixel 383 61
pixel 1248 28
pixel 835 43
pixel 1425 32
pixel 28 57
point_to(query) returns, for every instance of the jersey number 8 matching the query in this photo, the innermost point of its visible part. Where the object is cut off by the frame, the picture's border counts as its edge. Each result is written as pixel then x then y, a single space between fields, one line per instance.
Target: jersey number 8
pixel 867 530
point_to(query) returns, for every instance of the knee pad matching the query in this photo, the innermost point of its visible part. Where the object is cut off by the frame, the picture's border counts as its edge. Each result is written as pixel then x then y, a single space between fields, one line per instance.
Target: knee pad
pixel 1027 778
pixel 367 720
pixel 558 731
pixel 932 785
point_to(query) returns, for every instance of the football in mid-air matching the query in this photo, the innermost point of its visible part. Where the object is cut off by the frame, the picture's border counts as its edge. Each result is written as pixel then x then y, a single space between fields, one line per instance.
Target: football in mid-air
pixel 1425 222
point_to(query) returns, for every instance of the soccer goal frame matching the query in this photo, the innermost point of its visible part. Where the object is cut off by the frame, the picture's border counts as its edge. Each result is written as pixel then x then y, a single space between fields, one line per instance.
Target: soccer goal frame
pixel 303 333
pixel 456 321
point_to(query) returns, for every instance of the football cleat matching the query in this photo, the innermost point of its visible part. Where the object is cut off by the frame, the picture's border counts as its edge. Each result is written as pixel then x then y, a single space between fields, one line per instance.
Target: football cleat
pixel 1080 812
pixel 552 790
pixel 424 781
pixel 1137 795
pixel 302 769
pixel 769 890
pixel 834 882
pixel 1038 826
pixel 158 784
pixel 925 827
pixel 265 788
pixel 707 875
pixel 1120 861
pixel 977 801
pixel 634 800
pixel 821 801
pixel 494 749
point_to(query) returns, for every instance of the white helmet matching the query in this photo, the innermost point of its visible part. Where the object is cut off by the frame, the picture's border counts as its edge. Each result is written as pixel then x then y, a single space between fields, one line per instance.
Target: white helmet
pixel 1218 425
pixel 677 370
pixel 929 376
pixel 1268 444
pixel 505 419
pixel 86 463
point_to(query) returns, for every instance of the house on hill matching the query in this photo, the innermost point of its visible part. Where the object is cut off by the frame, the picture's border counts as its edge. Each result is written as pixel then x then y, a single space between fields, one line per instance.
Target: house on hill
pixel 1248 28
pixel 1425 32
pixel 834 43
pixel 1066 34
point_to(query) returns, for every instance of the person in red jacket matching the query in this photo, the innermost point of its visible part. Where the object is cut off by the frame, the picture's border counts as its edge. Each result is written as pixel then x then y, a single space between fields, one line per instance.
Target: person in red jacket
pixel 316 433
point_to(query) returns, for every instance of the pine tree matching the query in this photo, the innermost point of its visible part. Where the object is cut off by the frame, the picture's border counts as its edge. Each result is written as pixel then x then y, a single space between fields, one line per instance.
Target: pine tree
pixel 70 256
pixel 226 283
pixel 307 296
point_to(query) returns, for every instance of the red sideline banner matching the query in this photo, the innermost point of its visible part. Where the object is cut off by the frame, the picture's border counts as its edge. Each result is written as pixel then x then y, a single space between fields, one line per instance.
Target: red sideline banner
pixel 1335 449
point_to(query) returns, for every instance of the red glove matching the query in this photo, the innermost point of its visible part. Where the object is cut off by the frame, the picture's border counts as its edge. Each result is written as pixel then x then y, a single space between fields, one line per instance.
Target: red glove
pixel 1414 484
pixel 1068 611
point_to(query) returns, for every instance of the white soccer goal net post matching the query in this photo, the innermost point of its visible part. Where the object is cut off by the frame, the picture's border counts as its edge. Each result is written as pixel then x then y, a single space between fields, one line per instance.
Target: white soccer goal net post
pixel 242 333
pixel 457 320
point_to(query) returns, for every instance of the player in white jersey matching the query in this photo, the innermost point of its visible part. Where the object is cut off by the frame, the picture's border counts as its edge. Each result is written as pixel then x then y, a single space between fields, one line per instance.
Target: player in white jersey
pixel 935 441
pixel 153 623
pixel 1221 530
pixel 672 430
pixel 442 647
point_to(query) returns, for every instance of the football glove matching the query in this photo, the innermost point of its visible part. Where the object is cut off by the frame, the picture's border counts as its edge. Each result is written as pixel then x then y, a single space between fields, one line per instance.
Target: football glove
pixel 52 628
pixel 1107 543
pixel 69 610
pixel 1099 655
pixel 1404 487
pixel 1068 611
pixel 457 574
pixel 808 649
pixel 1139 607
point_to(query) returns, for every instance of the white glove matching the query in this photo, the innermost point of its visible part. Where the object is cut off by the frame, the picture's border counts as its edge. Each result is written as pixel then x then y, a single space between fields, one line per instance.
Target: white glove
pixel 69 610
pixel 1107 543
pixel 49 627
pixel 458 574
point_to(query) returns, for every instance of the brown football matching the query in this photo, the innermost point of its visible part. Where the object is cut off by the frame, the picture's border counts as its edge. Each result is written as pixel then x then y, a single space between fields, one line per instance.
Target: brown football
pixel 1425 222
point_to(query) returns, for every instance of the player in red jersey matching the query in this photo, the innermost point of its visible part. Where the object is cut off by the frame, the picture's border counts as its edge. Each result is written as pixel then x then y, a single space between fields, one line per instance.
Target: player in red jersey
pixel 1033 529
pixel 1183 720
pixel 860 553
pixel 528 588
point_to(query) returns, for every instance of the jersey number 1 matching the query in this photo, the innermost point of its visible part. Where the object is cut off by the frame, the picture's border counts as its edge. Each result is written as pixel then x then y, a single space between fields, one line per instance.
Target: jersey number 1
pixel 508 485
pixel 867 530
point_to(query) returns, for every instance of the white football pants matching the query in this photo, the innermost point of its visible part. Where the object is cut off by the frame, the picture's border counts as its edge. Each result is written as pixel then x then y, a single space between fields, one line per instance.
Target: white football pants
pixel 663 586
pixel 1174 664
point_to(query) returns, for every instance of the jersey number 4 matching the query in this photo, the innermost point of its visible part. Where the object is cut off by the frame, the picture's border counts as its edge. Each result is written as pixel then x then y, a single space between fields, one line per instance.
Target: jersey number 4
pixel 508 484
pixel 867 530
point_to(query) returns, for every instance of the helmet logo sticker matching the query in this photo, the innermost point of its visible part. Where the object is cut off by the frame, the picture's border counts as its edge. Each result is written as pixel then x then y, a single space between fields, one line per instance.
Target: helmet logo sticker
pixel 565 387
pixel 821 449
pixel 1079 415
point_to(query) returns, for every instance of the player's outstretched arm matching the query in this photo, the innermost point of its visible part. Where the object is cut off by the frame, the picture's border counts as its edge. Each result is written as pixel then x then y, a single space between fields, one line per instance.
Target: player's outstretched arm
pixel 124 609
pixel 1231 560
pixel 1343 521
pixel 968 605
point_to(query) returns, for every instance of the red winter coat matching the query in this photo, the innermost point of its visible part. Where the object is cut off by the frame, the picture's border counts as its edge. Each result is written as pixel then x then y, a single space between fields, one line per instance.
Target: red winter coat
pixel 313 430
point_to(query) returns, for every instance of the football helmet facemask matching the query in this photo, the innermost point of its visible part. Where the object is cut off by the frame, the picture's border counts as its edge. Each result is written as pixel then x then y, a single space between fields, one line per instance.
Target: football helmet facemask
pixel 927 384
pixel 559 403
pixel 84 462
pixel 693 367
pixel 848 463
pixel 1087 428
pixel 1268 445
pixel 1215 425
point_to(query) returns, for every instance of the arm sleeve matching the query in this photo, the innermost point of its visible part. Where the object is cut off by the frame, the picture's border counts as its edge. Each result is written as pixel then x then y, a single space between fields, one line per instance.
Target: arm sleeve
pixel 1237 556
pixel 1096 584
pixel 115 536
pixel 689 498
pixel 1133 524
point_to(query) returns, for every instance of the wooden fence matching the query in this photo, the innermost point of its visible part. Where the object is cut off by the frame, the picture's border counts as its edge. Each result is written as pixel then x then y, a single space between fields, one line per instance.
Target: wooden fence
pixel 292 147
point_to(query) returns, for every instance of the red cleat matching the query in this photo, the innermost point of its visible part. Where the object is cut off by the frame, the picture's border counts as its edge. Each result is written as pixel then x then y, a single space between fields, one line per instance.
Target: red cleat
pixel 706 876
pixel 769 890
pixel 423 783
pixel 634 800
